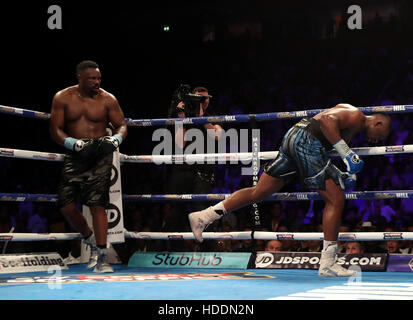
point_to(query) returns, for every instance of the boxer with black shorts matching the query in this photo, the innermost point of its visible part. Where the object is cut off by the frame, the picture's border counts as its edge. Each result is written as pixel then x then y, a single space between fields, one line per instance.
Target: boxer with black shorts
pixel 79 118
pixel 304 155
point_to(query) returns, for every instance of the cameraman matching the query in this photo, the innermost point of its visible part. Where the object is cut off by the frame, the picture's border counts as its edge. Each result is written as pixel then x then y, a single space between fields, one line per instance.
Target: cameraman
pixel 189 178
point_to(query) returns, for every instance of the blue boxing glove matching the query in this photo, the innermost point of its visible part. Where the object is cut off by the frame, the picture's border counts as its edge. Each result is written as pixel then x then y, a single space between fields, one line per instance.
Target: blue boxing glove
pixel 83 147
pixel 353 163
pixel 108 144
pixel 347 181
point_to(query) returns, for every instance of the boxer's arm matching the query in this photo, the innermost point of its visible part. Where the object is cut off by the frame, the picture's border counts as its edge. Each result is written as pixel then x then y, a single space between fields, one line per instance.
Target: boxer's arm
pixel 340 118
pixel 57 120
pixel 117 118
pixel 108 144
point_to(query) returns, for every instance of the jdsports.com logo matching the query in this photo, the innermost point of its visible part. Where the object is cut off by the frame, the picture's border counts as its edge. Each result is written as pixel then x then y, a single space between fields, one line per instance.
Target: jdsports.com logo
pixel 307 260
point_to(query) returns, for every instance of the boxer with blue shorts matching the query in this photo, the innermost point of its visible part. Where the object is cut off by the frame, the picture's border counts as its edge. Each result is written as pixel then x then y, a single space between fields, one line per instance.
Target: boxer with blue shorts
pixel 304 155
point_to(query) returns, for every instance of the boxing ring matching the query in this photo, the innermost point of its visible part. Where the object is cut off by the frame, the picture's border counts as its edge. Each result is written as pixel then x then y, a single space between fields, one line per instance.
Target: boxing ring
pixel 132 283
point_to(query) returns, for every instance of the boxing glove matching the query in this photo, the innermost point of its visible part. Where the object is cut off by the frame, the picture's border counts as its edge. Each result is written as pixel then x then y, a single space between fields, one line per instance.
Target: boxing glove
pixel 348 181
pixel 108 144
pixel 352 161
pixel 83 147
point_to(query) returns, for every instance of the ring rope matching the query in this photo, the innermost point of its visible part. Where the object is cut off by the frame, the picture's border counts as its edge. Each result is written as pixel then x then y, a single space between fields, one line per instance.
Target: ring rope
pixel 284 196
pixel 191 158
pixel 248 156
pixel 216 119
pixel 258 235
pixel 260 116
pixel 236 235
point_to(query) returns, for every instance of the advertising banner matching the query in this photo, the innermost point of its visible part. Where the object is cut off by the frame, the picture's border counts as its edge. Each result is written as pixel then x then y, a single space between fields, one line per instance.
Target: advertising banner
pixel 311 260
pixel 233 260
pixel 31 262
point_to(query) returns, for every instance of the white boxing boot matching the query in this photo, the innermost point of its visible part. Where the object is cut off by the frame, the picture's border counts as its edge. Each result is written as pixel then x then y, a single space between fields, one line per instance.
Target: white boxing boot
pixel 71 259
pixel 102 265
pixel 91 242
pixel 200 220
pixel 329 266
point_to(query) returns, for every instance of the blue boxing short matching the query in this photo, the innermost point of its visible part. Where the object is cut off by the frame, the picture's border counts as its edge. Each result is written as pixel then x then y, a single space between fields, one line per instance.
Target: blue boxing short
pixel 302 156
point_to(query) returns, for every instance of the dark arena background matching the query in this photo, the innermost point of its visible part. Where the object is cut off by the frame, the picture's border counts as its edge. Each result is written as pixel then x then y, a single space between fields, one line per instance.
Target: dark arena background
pixel 254 57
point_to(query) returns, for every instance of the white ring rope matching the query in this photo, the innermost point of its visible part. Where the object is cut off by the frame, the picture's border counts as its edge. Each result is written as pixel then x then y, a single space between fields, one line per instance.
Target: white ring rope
pixel 247 156
pixel 192 158
pixel 236 235
pixel 265 235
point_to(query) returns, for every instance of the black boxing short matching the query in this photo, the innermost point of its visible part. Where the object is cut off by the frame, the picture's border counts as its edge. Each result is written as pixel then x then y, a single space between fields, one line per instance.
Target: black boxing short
pixel 85 180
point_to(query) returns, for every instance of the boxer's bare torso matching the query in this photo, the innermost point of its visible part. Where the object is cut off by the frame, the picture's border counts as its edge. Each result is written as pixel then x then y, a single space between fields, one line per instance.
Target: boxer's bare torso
pixel 85 117
pixel 349 119
pixel 85 111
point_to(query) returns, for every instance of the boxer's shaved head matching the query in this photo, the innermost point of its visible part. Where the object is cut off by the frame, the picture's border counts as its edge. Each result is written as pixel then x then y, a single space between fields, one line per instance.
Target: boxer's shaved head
pixel 85 65
pixel 378 127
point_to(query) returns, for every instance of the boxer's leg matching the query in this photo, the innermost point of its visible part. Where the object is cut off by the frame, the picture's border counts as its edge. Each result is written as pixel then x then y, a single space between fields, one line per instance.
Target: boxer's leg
pixel 334 203
pixel 100 225
pixel 265 187
pixel 75 218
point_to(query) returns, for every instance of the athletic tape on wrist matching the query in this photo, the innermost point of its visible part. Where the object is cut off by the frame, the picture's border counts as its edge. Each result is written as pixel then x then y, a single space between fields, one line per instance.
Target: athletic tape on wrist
pixel 69 143
pixel 342 148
